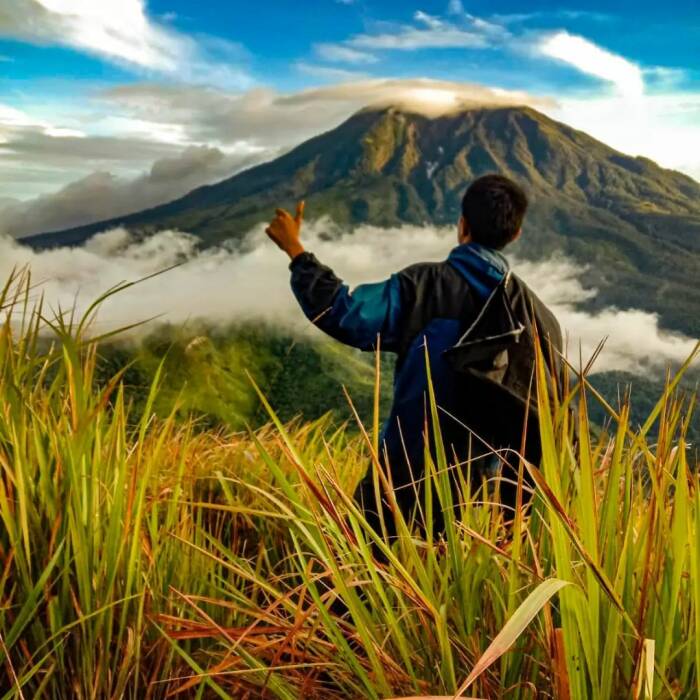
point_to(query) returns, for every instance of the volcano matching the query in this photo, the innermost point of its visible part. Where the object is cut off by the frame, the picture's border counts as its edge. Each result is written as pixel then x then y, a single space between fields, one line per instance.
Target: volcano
pixel 633 224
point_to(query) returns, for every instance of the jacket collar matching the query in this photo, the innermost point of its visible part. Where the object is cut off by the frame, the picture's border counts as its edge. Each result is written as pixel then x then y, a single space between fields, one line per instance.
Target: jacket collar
pixel 484 268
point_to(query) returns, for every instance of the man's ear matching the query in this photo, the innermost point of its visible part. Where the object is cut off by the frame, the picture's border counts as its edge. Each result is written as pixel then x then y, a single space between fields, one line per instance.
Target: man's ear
pixel 463 233
pixel 517 235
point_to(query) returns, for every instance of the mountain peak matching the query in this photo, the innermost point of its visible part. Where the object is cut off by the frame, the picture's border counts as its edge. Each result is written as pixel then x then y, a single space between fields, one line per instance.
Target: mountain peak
pixel 410 108
pixel 434 99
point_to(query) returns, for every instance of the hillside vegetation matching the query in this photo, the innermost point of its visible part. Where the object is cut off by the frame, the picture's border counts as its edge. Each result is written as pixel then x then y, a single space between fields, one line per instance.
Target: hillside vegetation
pixel 205 374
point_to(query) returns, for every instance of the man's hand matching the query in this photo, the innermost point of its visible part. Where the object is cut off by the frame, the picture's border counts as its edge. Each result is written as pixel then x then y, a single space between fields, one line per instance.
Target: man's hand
pixel 284 230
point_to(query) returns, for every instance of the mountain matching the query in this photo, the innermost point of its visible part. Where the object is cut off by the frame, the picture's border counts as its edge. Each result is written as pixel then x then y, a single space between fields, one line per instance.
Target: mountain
pixel 634 224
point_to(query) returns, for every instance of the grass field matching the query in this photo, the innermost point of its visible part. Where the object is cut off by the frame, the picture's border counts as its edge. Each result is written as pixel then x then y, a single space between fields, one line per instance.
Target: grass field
pixel 148 557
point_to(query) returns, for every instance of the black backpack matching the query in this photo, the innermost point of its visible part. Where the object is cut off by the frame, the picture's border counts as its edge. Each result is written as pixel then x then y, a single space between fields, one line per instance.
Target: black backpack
pixel 494 364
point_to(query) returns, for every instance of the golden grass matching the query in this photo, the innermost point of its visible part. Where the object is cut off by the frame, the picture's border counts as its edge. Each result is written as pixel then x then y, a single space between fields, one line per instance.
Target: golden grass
pixel 142 558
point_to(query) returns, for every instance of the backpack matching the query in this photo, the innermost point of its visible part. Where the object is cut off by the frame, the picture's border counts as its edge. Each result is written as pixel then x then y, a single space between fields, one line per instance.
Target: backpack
pixel 494 365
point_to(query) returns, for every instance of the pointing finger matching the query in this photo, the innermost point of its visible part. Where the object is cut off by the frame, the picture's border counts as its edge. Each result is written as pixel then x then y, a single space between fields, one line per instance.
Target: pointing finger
pixel 300 211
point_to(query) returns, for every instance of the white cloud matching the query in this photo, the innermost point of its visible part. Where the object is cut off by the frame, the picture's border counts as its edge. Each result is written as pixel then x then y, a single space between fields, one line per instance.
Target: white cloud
pixel 222 285
pixel 457 30
pixel 337 53
pixel 117 30
pixel 662 127
pixel 659 122
pixel 329 72
pixel 273 118
pixel 38 155
pixel 412 39
pixel 593 60
pixel 430 21
pixel 524 17
pixel 429 32
pixel 101 195
pixel 635 343
pixel 10 117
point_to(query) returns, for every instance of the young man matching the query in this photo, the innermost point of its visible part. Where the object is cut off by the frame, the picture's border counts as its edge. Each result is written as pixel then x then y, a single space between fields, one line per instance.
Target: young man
pixel 428 307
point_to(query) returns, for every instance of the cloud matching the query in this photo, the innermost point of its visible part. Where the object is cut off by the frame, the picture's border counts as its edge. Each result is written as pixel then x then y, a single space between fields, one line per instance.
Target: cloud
pixel 495 30
pixel 119 31
pixel 10 118
pixel 37 155
pixel 635 343
pixel 101 195
pixel 664 78
pixel 331 73
pixel 66 146
pixel 657 126
pixel 221 286
pixel 649 114
pixel 428 32
pixel 337 53
pixel 523 17
pixel 457 30
pixel 593 60
pixel 584 14
pixel 265 116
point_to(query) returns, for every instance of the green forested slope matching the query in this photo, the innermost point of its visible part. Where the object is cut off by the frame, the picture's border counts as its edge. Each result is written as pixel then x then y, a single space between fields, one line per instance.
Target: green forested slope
pixel 206 374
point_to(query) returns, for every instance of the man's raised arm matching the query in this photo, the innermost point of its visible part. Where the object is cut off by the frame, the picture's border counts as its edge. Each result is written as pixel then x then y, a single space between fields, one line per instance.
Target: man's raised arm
pixel 354 318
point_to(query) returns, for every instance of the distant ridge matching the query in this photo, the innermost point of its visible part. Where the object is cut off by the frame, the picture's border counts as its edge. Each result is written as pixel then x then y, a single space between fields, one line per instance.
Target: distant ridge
pixel 634 223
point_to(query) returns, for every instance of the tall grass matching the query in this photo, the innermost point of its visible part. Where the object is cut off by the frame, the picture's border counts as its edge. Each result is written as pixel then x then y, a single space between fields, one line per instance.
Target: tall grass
pixel 142 557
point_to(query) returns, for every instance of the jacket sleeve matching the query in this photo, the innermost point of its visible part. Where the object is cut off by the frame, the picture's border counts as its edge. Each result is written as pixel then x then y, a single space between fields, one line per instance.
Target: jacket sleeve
pixel 353 317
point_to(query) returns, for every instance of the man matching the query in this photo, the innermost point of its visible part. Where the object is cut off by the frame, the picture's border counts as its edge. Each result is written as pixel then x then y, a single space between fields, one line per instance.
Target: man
pixel 428 309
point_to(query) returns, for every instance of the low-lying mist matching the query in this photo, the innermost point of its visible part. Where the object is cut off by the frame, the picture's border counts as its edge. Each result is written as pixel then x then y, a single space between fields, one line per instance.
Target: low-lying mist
pixel 224 285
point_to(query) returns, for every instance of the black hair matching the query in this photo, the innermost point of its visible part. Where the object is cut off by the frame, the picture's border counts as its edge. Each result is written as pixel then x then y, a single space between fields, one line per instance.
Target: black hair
pixel 494 208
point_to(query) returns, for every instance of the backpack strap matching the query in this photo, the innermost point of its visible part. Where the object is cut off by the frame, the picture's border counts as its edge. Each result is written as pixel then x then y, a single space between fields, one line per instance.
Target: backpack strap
pixel 504 325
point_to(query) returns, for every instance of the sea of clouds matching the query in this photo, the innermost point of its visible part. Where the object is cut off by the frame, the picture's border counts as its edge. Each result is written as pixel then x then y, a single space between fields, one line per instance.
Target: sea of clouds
pixel 251 281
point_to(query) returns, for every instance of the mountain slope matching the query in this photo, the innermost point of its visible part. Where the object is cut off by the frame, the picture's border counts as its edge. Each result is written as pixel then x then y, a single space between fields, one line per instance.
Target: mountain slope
pixel 635 224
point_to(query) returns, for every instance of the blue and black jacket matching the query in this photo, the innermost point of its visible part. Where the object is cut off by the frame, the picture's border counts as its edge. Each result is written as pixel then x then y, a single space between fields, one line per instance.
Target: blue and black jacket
pixel 424 306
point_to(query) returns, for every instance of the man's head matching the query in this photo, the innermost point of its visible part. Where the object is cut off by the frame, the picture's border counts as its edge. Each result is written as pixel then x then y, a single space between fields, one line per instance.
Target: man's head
pixel 493 209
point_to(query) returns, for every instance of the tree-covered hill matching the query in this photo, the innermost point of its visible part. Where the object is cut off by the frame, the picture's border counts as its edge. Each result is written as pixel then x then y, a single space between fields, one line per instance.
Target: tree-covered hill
pixel 207 373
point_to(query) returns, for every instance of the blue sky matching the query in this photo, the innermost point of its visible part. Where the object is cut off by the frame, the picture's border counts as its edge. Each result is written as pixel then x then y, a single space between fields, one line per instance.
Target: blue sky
pixel 97 91
pixel 270 45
